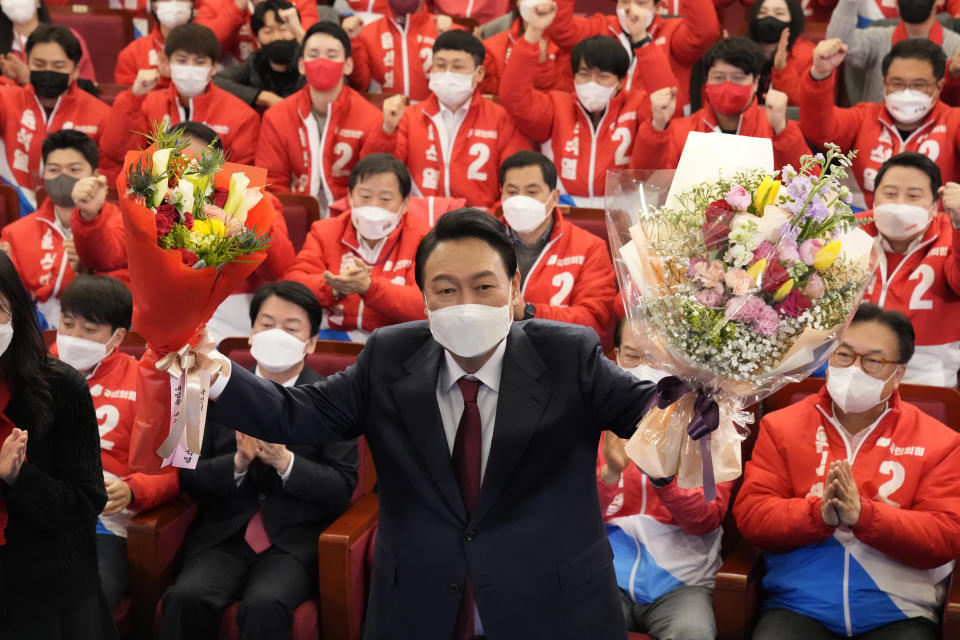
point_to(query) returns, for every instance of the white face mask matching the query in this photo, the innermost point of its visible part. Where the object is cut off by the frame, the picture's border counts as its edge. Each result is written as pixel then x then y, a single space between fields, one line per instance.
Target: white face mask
pixel 6 336
pixel 622 16
pixel 173 13
pixel 594 97
pixel 469 330
pixel 80 353
pixel 19 11
pixel 526 8
pixel 852 390
pixel 899 220
pixel 374 223
pixel 275 350
pixel 643 372
pixel 451 89
pixel 524 213
pixel 190 80
pixel 908 106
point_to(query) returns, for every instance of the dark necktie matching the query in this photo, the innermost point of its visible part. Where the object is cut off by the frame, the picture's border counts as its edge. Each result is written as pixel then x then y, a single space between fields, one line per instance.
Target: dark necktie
pixel 466 462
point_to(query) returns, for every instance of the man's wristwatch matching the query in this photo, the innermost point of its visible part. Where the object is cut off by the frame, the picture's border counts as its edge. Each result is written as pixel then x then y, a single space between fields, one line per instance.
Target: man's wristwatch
pixel 529 311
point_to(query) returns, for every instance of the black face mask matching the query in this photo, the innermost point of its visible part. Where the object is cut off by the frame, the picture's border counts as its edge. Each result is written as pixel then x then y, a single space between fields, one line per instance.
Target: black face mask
pixel 50 84
pixel 767 30
pixel 915 11
pixel 60 189
pixel 282 51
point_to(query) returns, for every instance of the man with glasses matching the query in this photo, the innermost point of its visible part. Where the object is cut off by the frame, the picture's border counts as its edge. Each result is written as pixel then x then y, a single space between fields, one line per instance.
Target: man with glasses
pixel 911 117
pixel 854 497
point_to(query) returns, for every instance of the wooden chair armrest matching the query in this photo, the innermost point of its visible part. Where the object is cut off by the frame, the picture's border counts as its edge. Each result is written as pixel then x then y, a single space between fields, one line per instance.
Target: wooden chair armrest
pixel 730 603
pixel 951 610
pixel 338 602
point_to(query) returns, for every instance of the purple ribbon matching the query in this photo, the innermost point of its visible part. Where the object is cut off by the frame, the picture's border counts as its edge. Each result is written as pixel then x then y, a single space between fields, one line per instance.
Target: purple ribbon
pixel 706 419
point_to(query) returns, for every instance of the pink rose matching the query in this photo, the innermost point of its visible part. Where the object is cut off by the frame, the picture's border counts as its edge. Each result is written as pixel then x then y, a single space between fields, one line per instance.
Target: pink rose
pixel 814 289
pixel 708 298
pixel 738 198
pixel 767 322
pixel 739 281
pixel 787 250
pixel 809 249
pixel 793 305
pixel 764 251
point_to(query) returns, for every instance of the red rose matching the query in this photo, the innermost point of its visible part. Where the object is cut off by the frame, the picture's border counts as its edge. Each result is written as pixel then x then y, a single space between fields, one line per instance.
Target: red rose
pixel 219 197
pixel 718 210
pixel 168 211
pixel 774 277
pixel 188 258
pixel 715 234
pixel 187 220
pixel 793 305
pixel 164 225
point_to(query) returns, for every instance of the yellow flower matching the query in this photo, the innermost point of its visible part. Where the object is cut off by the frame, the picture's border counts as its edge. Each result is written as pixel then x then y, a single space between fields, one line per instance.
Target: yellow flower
pixel 757 269
pixel 782 292
pixel 217 227
pixel 824 258
pixel 766 194
pixel 200 228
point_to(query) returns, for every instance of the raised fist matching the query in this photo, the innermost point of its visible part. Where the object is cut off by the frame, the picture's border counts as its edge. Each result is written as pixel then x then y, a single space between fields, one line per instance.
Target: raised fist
pixel 540 18
pixel 827 56
pixel 776 106
pixel 88 195
pixel 663 103
pixel 444 24
pixel 353 26
pixel 950 196
pixel 636 22
pixel 145 82
pixel 392 112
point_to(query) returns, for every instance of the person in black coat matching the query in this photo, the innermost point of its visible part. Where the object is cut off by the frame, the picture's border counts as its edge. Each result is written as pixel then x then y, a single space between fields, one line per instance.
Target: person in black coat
pixel 262 506
pixel 51 485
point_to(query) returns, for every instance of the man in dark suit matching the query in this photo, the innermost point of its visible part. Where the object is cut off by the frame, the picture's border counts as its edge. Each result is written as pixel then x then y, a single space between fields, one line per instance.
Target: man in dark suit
pixel 261 505
pixel 484 433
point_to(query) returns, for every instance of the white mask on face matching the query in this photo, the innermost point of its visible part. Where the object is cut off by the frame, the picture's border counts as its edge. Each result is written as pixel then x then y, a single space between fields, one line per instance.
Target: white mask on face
pixel 594 97
pixel 852 390
pixel 622 16
pixel 275 350
pixel 173 13
pixel 189 79
pixel 908 106
pixel 451 88
pixel 469 330
pixel 19 11
pixel 374 223
pixel 899 220
pixel 6 336
pixel 524 213
pixel 643 372
pixel 80 353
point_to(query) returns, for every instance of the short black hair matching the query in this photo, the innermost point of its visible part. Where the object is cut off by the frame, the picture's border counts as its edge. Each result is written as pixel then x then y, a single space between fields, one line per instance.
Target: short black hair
pixel 99 299
pixel 259 15
pixel 603 53
pixel 293 292
pixel 618 333
pixel 528 159
pixel 467 223
pixel 192 38
pixel 917 49
pixel 796 25
pixel 742 53
pixel 913 160
pixel 200 131
pixel 57 34
pixel 71 139
pixel 376 163
pixel 460 40
pixel 893 320
pixel 329 29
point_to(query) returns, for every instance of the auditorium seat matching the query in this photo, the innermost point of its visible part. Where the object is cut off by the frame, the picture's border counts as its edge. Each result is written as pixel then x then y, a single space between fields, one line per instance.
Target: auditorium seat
pixel 9 205
pixel 300 212
pixel 592 220
pixel 109 91
pixel 106 32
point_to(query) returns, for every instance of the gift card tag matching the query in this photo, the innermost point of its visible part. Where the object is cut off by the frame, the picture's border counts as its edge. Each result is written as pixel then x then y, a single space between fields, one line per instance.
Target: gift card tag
pixel 708 155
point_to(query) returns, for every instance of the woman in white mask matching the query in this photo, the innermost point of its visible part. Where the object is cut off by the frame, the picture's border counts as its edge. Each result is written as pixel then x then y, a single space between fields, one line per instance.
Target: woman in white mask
pixel 918 273
pixel 145 52
pixel 18 19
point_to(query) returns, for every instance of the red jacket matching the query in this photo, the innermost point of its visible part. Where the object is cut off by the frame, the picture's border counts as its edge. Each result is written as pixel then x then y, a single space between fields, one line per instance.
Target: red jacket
pixel 482 11
pixel 232 26
pixel 662 149
pixel 924 285
pixel 36 244
pixel 237 125
pixel 573 279
pixel 553 74
pixel 302 159
pixel 393 296
pixel 142 53
pixel 685 39
pixel 370 6
pixel 790 78
pixel 24 124
pixel 868 128
pixel 485 138
pixel 557 121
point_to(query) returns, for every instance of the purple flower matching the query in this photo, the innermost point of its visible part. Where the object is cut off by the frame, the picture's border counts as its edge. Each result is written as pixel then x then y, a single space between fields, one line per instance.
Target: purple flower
pixel 708 298
pixel 817 210
pixel 767 322
pixel 787 250
pixel 788 231
pixel 808 250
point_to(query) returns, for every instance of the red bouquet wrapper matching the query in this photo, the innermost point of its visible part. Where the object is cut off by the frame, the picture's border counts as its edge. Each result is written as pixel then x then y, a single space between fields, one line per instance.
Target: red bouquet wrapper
pixel 172 303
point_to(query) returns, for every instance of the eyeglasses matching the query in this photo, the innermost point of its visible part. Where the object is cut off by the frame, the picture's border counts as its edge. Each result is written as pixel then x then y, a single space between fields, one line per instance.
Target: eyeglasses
pixel 870 363
pixel 923 86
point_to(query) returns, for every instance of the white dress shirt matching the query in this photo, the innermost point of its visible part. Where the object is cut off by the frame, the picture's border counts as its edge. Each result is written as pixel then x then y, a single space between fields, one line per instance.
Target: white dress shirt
pixel 238 477
pixel 448 123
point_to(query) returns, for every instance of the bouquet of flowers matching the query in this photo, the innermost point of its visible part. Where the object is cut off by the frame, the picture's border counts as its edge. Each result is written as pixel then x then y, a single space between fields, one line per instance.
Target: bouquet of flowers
pixel 195 229
pixel 738 285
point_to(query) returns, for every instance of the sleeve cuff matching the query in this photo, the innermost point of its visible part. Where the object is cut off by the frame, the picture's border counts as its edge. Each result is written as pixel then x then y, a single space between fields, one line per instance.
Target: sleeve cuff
pixel 238 477
pixel 218 387
pixel 286 474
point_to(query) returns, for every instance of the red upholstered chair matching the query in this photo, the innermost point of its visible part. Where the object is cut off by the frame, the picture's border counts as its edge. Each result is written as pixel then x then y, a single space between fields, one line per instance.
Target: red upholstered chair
pixel 9 205
pixel 109 91
pixel 299 212
pixel 106 32
pixel 376 99
pixel 592 220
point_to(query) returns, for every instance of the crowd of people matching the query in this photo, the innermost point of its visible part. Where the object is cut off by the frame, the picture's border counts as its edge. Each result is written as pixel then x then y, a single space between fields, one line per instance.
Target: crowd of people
pixel 425 141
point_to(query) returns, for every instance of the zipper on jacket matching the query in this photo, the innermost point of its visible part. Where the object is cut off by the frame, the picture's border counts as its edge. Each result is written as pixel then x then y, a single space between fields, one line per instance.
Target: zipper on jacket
pixel 643 494
pixel 403 55
pixel 846 592
pixel 885 284
pixel 633 571
pixel 593 144
pixel 523 289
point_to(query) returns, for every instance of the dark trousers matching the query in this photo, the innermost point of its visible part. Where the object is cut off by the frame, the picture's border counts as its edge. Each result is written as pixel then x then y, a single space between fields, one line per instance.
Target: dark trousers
pixel 269 587
pixel 113 567
pixel 89 619
pixel 784 624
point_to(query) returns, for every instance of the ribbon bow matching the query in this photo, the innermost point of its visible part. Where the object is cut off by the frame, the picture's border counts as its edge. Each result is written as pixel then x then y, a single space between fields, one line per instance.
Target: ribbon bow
pixel 190 369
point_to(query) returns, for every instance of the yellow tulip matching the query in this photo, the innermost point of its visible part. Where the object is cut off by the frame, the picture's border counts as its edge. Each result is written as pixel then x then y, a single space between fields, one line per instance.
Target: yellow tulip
pixel 756 270
pixel 766 194
pixel 783 291
pixel 824 258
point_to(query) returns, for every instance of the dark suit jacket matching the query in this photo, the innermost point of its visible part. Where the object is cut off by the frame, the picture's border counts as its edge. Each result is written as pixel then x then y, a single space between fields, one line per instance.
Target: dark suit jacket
pixel 535 546
pixel 319 488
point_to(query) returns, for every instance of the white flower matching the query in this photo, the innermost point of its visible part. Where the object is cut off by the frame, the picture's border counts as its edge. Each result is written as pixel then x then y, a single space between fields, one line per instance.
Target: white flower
pixel 738 255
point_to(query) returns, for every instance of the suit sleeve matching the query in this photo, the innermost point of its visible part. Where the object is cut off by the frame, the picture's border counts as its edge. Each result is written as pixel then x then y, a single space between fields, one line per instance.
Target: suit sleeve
pixel 591 300
pixel 532 110
pixel 309 265
pixel 126 117
pixel 100 243
pixel 926 534
pixel 71 494
pixel 820 120
pixel 271 153
pixel 329 480
pixel 789 145
pixel 213 477
pixel 152 490
pixel 568 30
pixel 699 28
pixel 617 398
pixel 243 145
pixel 767 512
pixel 126 69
